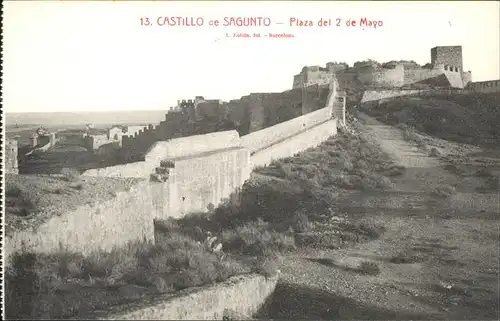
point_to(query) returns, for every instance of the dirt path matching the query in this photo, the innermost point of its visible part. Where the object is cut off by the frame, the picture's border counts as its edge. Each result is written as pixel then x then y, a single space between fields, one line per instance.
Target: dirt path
pixel 439 258
pixel 392 142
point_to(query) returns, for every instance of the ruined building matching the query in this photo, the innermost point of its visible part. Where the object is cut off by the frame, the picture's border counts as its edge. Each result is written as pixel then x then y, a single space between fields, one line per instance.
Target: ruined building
pixel 445 70
pixel 11 160
pixel 42 138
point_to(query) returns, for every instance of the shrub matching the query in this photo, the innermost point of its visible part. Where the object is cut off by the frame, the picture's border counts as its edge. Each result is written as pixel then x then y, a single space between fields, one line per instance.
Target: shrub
pixel 369 268
pixel 435 152
pixel 78 186
pixel 34 281
pixel 444 191
pixel 345 163
pixel 266 267
pixel 13 191
pixel 254 238
pixel 284 169
pixel 70 174
pixel 395 170
pixel 408 133
pixel 301 223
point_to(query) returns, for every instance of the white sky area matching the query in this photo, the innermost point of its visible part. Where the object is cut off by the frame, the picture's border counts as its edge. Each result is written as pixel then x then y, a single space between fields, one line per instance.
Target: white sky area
pixel 95 56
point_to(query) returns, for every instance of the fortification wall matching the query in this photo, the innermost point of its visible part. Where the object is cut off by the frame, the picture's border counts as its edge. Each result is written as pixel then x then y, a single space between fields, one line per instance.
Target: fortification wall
pixel 389 77
pixel 182 175
pixel 137 169
pixel 484 86
pixel 192 145
pixel 195 182
pixel 11 161
pixel 260 110
pixel 240 297
pixel 412 76
pixel 269 136
pixel 290 146
pixel 178 147
pixel 374 95
pixel 101 225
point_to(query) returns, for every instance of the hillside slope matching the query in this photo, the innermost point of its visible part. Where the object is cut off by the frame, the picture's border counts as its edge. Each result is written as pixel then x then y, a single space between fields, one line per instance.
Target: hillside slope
pixel 473 119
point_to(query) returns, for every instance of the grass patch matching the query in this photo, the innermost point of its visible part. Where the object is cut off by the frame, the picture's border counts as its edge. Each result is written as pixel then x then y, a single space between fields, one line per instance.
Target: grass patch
pixel 257 239
pixel 444 191
pixel 294 208
pixel 19 201
pixel 471 119
pixel 346 161
pixel 67 284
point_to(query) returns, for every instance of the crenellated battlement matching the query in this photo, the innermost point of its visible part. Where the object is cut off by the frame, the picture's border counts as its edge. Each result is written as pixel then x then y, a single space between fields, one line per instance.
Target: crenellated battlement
pixel 445 60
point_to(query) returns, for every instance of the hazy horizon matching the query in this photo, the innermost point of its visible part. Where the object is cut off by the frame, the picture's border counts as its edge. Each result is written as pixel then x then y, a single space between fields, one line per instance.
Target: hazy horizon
pixel 95 56
pixel 85 117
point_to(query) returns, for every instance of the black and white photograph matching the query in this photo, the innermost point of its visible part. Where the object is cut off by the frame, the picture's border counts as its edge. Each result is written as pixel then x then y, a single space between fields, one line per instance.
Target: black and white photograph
pixel 250 160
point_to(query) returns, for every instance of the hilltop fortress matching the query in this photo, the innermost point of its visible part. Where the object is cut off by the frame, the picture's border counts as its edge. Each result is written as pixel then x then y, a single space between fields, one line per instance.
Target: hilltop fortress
pixel 445 70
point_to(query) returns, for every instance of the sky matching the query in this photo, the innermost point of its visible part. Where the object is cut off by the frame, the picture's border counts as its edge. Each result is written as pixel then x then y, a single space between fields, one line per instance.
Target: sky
pixel 96 56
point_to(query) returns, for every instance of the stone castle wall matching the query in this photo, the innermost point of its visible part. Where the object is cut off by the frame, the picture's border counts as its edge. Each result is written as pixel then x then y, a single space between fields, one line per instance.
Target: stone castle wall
pixel 446 60
pixel 240 297
pixel 471 89
pixel 97 225
pixel 180 176
pixel 249 114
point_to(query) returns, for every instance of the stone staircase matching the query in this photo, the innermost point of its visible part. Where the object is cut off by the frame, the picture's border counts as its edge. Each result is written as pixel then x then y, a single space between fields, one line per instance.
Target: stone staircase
pixel 162 172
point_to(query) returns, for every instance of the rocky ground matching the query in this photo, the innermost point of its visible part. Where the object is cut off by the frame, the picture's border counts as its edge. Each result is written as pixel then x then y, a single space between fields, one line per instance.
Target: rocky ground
pixel 439 256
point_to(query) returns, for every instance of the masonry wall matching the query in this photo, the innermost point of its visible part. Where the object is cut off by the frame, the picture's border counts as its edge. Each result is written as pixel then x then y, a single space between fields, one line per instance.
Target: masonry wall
pixel 290 146
pixel 240 297
pixel 485 86
pixel 260 110
pixel 373 95
pixel 192 145
pixel 389 77
pixel 376 95
pixel 11 160
pixel 268 136
pixel 137 169
pixel 101 225
pixel 195 182
pixel 419 75
pixel 178 147
pixel 180 176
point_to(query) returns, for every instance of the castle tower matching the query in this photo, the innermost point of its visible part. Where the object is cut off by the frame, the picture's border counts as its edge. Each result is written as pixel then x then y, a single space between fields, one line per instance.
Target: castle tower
pixel 447 56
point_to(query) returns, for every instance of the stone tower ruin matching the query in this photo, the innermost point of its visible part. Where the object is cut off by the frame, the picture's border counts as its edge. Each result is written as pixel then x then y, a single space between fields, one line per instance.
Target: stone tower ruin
pixel 450 56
